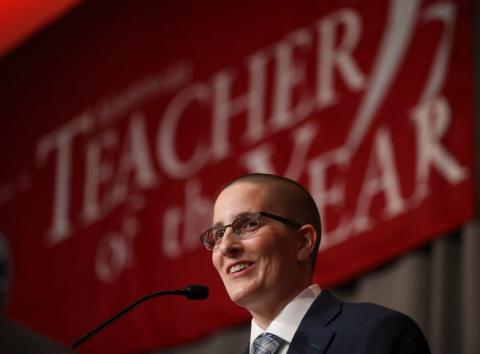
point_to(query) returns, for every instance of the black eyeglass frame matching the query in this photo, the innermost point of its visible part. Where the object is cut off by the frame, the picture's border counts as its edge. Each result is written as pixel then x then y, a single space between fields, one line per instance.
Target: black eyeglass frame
pixel 279 218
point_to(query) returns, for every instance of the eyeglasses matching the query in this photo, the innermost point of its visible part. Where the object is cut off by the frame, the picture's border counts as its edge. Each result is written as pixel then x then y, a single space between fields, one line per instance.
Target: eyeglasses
pixel 243 226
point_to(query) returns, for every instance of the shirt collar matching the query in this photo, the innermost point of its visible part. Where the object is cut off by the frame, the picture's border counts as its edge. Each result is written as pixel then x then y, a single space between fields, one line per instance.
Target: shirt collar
pixel 287 321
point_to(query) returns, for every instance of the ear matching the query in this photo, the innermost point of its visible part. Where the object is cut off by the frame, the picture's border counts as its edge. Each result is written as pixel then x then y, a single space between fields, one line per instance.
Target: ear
pixel 306 243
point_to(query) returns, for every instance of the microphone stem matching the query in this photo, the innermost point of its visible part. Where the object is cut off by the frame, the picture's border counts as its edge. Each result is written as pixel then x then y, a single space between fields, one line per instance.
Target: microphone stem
pixel 123 312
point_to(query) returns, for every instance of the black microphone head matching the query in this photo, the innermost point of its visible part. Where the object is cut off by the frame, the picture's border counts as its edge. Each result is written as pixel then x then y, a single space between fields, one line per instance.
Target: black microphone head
pixel 196 292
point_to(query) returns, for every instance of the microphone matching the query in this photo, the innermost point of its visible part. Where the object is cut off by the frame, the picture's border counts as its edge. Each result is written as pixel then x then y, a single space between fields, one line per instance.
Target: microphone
pixel 192 292
pixel 196 292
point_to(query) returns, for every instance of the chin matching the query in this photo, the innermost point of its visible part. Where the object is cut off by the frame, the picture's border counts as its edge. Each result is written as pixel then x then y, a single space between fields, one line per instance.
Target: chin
pixel 240 295
pixel 245 297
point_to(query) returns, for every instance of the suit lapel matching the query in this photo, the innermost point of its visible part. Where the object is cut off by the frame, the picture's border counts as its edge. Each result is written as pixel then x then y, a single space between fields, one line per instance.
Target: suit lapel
pixel 313 335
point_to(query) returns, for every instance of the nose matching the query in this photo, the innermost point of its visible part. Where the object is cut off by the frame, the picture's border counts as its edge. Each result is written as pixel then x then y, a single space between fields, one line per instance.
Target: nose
pixel 230 243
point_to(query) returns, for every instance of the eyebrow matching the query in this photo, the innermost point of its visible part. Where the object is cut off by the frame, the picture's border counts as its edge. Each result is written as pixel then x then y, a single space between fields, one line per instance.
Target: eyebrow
pixel 220 224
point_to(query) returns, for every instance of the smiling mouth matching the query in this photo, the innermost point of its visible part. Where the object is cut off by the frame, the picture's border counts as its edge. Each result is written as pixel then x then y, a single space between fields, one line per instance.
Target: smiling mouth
pixel 239 267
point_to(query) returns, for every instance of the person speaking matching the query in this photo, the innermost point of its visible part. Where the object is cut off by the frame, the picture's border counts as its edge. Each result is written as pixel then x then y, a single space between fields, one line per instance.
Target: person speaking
pixel 264 242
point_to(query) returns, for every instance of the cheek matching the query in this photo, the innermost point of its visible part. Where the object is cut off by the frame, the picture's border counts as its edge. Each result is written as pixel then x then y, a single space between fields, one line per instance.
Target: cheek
pixel 278 253
pixel 216 261
pixel 267 246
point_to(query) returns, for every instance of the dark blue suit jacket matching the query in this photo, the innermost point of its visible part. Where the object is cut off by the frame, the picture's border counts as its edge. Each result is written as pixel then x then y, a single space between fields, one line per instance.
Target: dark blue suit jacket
pixel 333 327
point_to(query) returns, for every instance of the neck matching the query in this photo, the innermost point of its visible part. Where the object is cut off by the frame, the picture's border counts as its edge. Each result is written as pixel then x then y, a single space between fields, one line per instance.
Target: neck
pixel 264 313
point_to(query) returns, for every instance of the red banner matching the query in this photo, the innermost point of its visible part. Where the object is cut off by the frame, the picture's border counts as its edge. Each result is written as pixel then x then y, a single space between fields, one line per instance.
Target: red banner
pixel 121 122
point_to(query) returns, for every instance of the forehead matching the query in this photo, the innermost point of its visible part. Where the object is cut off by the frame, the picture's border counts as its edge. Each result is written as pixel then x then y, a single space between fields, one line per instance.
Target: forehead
pixel 240 198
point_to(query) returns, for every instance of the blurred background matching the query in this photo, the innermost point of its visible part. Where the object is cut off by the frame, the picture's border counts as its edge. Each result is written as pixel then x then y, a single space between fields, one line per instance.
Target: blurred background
pixel 120 121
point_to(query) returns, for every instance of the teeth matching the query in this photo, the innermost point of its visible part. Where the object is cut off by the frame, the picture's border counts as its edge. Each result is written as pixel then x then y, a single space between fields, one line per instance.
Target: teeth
pixel 238 267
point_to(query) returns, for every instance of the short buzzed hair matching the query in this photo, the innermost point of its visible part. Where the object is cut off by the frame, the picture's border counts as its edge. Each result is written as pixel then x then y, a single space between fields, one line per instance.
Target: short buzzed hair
pixel 295 200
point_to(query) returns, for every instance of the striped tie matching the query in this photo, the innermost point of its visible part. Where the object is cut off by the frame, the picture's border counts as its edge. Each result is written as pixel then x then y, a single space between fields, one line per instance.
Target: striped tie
pixel 267 343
